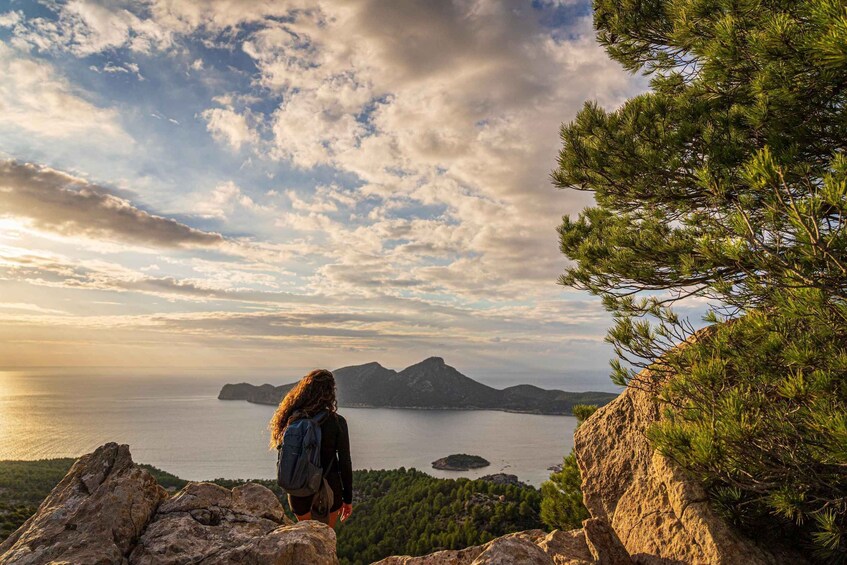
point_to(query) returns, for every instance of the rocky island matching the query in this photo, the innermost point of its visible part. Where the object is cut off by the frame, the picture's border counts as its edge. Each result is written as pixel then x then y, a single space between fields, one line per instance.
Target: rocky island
pixel 430 384
pixel 460 462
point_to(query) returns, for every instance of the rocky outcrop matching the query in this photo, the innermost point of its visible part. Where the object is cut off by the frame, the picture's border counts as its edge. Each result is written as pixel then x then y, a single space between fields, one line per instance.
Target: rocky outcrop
pixel 205 522
pixel 660 514
pixel 94 515
pixel 532 547
pixel 603 543
pixel 108 511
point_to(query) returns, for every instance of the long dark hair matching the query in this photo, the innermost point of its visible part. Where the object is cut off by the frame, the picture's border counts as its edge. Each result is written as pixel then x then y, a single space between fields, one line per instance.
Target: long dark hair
pixel 314 392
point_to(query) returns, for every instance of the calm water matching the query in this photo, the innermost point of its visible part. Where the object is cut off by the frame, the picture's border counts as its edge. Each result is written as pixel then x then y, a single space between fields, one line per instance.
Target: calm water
pixel 177 424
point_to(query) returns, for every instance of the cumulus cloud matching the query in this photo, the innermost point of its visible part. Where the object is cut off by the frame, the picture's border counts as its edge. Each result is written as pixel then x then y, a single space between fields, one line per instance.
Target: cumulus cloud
pixel 55 201
pixel 454 104
pixel 34 98
pixel 422 134
pixel 228 126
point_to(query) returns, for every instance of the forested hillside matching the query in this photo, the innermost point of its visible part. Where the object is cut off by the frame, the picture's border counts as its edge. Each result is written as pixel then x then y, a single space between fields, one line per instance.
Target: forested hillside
pixel 402 511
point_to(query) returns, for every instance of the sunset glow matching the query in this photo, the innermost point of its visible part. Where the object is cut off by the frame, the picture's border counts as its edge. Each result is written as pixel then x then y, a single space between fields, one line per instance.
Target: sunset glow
pixel 293 183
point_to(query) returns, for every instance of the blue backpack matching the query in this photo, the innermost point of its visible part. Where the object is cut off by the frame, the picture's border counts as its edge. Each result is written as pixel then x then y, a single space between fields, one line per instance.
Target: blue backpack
pixel 298 464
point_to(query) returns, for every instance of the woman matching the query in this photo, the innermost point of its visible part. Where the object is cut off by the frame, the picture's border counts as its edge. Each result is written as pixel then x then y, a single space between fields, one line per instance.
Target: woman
pixel 315 393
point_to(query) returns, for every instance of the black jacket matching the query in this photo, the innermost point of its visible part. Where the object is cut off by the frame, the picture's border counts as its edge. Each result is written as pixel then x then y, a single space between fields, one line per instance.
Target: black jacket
pixel 335 452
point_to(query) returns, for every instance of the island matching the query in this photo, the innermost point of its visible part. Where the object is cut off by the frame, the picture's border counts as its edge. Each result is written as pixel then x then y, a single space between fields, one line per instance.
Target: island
pixel 428 385
pixel 460 462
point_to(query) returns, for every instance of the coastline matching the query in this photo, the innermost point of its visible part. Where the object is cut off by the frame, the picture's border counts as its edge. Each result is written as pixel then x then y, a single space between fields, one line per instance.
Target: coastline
pixel 423 408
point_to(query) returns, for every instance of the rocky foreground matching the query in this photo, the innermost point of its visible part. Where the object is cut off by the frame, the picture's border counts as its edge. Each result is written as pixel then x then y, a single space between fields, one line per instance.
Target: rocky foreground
pixel 644 510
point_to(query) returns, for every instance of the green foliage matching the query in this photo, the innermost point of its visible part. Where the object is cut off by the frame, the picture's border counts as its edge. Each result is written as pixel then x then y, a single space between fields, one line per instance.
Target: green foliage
pixel 395 512
pixel 561 495
pixel 582 412
pixel 727 183
pixel 407 512
pixel 23 485
pixel 167 480
pixel 771 445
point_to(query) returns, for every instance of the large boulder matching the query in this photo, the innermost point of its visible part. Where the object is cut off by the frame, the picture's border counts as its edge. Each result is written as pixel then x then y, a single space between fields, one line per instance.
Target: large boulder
pixel 532 547
pixel 108 511
pixel 93 516
pixel 660 514
pixel 207 523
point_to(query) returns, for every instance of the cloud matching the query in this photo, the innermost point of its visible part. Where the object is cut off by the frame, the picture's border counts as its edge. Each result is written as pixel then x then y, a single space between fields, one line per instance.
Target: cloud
pixel 228 126
pixel 57 202
pixel 27 307
pixel 34 98
pixel 450 105
pixel 224 200
pixel 445 104
pixel 394 169
pixel 52 270
pixel 85 27
pixel 11 18
pixel 112 68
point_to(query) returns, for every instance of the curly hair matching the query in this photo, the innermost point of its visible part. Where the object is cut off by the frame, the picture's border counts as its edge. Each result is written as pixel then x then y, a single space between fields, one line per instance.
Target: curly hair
pixel 314 392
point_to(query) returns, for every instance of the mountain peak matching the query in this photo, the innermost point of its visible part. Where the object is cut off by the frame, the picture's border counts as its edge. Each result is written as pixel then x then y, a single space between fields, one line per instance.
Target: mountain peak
pixel 433 361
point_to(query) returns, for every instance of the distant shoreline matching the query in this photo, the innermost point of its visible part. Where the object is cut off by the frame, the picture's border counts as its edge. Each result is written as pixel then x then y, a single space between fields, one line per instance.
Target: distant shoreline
pixel 421 408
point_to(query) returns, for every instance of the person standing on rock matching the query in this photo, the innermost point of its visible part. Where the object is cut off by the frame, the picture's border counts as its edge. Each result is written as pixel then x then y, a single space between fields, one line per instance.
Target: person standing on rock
pixel 314 397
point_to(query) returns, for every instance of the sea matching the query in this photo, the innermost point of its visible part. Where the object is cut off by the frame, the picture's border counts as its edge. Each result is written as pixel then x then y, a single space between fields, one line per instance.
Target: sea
pixel 173 420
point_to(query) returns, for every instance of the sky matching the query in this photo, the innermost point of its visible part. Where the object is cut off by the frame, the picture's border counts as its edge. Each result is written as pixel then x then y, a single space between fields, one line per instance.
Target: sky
pixel 261 183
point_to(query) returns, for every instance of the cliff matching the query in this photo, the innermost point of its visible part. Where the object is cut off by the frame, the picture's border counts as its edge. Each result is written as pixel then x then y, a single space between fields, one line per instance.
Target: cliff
pixel 428 384
pixel 644 509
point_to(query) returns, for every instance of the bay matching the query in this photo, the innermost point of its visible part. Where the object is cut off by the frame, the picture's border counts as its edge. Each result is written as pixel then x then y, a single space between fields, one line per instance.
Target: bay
pixel 173 420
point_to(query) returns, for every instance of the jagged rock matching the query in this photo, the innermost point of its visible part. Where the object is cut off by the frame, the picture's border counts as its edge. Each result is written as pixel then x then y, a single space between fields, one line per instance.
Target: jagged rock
pixel 447 557
pixel 107 511
pixel 508 550
pixel 532 547
pixel 660 514
pixel 566 548
pixel 603 543
pixel 93 516
pixel 206 522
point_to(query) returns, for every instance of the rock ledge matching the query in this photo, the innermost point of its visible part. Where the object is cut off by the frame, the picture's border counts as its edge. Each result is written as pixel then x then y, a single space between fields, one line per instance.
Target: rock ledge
pixel 109 511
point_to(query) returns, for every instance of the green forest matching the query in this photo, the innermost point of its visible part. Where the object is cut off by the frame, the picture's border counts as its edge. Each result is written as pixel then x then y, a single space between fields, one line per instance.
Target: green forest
pixel 396 512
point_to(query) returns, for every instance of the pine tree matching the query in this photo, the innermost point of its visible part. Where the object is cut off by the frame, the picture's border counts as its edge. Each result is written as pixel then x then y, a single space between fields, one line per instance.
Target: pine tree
pixel 726 185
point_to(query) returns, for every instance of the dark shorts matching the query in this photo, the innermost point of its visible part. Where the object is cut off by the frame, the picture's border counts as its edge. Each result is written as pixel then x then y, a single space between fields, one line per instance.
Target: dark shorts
pixel 303 504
